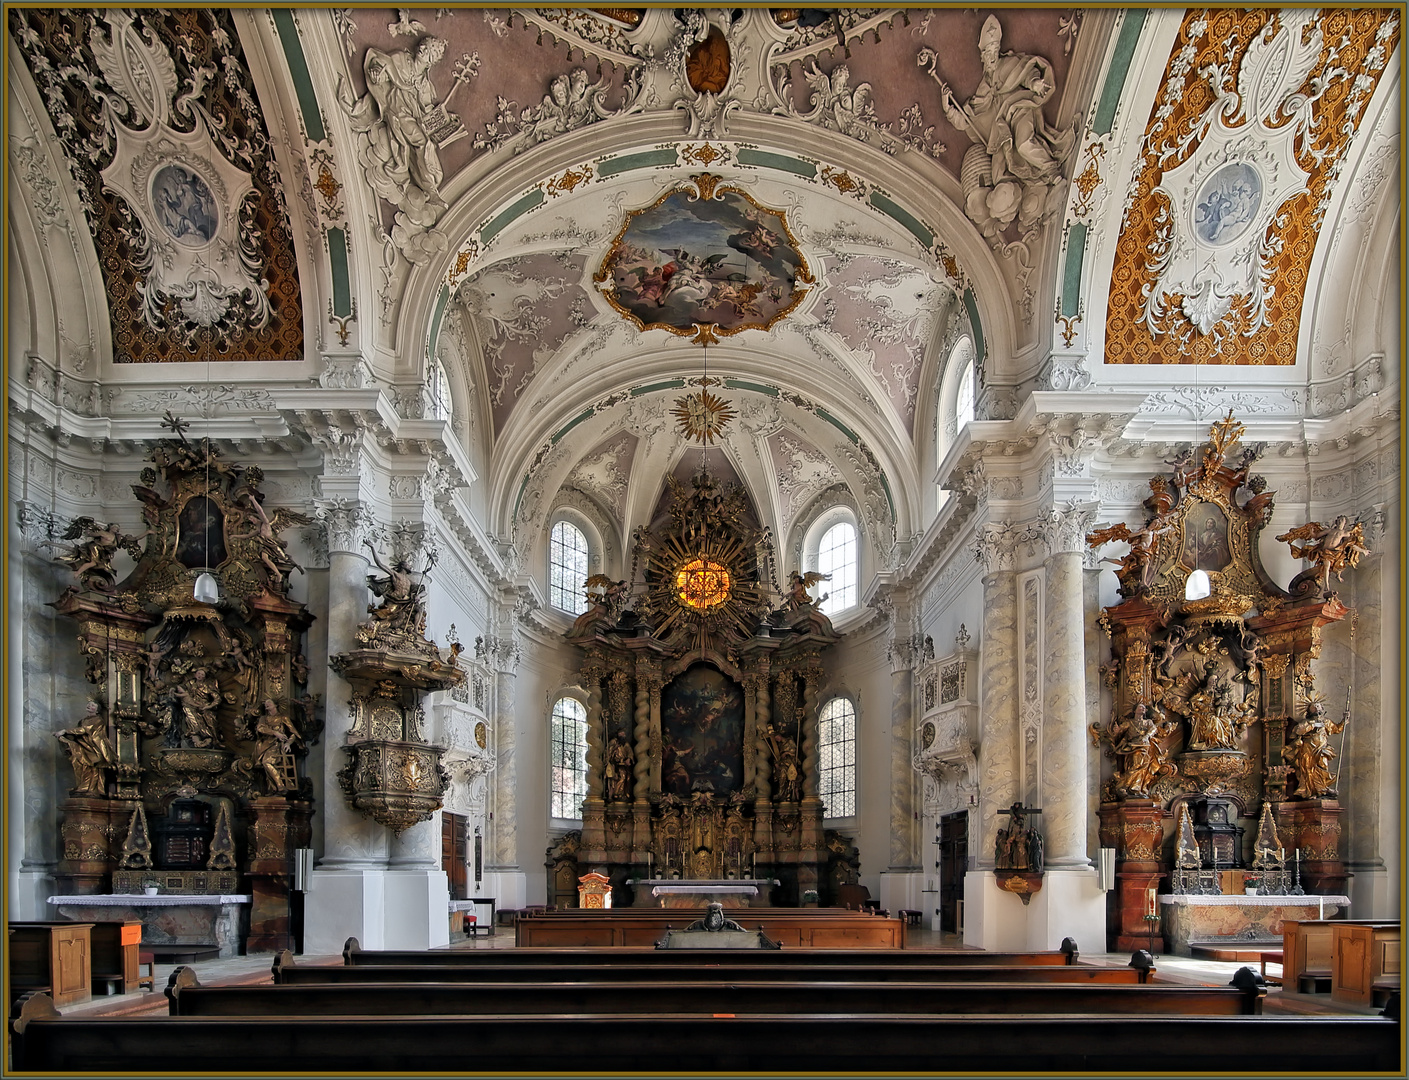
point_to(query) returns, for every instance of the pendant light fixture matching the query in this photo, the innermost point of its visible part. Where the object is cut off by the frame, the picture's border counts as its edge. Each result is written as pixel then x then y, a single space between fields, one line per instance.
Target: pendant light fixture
pixel 207 589
pixel 1196 585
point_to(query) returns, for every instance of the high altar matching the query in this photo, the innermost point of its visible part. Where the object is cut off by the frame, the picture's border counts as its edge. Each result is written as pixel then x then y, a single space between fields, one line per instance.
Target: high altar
pixel 1216 715
pixel 702 752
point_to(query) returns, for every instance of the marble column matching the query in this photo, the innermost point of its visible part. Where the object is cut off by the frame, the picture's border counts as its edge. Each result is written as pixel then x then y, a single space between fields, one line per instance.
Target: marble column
pixel 998 695
pixel 351 840
pixel 1063 769
pixel 903 852
pixel 417 847
pixel 505 825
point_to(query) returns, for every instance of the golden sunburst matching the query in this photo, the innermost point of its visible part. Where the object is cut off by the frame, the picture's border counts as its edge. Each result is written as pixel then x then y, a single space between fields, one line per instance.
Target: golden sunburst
pixel 702 583
pixel 702 417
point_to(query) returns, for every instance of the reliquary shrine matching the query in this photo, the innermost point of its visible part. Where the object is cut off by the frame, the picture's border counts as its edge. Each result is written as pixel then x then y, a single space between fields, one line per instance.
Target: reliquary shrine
pixel 702 749
pixel 1216 715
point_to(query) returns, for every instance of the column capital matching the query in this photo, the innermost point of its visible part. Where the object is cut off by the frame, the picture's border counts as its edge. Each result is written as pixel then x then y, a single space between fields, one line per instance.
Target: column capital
pixel 1065 527
pixel 346 524
pixel 994 546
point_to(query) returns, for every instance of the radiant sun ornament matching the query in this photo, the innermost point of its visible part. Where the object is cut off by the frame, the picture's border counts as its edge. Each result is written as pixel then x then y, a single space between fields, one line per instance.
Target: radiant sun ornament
pixel 702 417
pixel 701 584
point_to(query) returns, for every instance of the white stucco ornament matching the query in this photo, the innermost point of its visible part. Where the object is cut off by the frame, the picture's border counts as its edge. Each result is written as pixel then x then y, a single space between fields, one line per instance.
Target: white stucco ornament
pixel 1212 258
pixel 197 249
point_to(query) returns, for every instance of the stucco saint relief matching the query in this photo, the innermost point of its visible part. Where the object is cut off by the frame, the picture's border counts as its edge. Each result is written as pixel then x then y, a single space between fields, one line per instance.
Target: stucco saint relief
pixel 1013 170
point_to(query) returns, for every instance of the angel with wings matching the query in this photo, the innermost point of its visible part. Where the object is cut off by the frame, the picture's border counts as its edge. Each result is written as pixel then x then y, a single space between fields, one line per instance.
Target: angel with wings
pixel 91 557
pixel 403 598
pixel 1331 549
pixel 798 586
pixel 264 533
pixel 1140 566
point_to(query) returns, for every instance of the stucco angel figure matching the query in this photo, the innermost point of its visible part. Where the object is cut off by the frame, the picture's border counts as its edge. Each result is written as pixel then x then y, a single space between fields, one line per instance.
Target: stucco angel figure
pixel 91 555
pixel 396 150
pixel 1014 169
pixel 269 549
pixel 798 586
pixel 1331 549
pixel 89 750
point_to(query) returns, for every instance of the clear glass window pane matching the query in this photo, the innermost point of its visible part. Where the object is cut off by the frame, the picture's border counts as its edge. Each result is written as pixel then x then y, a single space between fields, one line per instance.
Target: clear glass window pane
pixel 569 750
pixel 836 731
pixel 567 568
pixel 836 556
pixel 964 398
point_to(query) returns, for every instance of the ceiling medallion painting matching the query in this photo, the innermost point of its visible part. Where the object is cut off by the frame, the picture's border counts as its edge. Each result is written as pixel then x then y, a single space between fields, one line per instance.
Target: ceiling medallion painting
pixel 1257 112
pixel 704 261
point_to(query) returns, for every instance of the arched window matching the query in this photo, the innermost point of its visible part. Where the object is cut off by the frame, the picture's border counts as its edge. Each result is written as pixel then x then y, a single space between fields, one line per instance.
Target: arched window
pixel 836 557
pixel 964 394
pixel 439 392
pixel 836 747
pixel 569 757
pixel 568 559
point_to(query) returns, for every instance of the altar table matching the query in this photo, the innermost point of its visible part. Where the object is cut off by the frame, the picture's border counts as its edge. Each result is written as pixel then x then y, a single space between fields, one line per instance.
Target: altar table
pixel 168 919
pixel 743 892
pixel 1252 922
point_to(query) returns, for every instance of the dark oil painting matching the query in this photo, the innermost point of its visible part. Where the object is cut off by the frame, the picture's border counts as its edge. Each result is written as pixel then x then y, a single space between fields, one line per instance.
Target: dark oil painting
pixel 702 732
pixel 1206 538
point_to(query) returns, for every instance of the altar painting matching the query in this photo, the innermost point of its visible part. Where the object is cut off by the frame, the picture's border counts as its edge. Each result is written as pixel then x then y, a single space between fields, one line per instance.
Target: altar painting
pixel 691 260
pixel 1206 538
pixel 702 732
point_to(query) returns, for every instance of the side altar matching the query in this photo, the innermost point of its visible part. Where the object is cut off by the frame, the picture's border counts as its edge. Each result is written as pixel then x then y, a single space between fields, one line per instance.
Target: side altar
pixel 1225 764
pixel 702 742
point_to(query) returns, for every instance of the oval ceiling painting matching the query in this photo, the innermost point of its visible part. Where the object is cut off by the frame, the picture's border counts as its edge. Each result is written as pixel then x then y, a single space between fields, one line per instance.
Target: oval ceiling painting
pixel 704 261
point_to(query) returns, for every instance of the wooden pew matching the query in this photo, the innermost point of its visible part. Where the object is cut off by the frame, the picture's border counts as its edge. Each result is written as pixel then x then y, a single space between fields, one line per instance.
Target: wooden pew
pixel 355 955
pixel 1306 953
pixel 188 998
pixel 44 1041
pixel 287 973
pixel 810 929
pixel 1364 961
pixel 52 957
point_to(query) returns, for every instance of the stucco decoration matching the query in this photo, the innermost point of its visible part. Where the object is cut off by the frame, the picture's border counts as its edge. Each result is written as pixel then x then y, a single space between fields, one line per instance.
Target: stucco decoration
pixel 165 140
pixel 1241 155
pixel 1013 170
pixel 400 126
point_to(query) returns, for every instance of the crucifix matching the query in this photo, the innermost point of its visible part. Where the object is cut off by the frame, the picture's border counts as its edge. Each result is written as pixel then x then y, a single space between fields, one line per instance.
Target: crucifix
pixel 1018 847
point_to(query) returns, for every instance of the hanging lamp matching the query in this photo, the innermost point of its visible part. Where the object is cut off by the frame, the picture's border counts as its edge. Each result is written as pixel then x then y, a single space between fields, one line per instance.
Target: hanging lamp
pixel 207 589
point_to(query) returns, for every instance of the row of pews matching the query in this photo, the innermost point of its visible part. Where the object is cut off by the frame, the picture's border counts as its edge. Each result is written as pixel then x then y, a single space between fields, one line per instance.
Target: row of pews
pixel 637 1009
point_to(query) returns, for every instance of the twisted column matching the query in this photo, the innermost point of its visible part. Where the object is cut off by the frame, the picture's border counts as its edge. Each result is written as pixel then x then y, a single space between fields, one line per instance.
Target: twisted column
pixel 591 675
pixel 647 683
pixel 763 712
pixel 807 725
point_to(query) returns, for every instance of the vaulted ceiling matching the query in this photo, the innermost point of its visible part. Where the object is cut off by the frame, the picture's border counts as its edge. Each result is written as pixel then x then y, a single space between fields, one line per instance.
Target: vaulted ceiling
pixel 454 185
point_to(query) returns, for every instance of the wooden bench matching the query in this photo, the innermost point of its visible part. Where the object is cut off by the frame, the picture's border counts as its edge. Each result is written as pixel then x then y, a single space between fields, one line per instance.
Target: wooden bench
pixel 45 1041
pixel 844 930
pixel 354 954
pixel 1306 952
pixel 286 972
pixel 182 954
pixel 53 958
pixel 1364 961
pixel 707 997
pixel 115 956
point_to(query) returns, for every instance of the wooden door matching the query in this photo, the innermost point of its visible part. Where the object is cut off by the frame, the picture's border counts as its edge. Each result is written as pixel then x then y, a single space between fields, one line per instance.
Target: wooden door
pixel 452 853
pixel 953 862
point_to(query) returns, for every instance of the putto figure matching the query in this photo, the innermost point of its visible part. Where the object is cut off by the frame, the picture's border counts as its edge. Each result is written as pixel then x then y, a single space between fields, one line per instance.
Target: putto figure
pixel 1014 169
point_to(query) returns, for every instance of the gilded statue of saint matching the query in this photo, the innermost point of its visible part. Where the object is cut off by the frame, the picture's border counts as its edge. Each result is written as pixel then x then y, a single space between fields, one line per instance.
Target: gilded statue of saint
pixel 89 750
pixel 1309 752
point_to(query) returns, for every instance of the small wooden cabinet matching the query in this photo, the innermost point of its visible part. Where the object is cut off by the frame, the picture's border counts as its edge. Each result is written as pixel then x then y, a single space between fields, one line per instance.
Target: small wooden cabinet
pixel 53 956
pixel 1306 953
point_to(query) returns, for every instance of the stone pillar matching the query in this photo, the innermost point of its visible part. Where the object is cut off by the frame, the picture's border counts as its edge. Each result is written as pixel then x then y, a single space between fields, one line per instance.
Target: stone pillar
pixel 417 847
pixel 1064 797
pixel 901 651
pixel 506 838
pixel 998 698
pixel 351 841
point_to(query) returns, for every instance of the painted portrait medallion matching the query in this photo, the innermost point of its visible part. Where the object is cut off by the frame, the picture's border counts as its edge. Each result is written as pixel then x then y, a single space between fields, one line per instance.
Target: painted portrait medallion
pixel 1206 538
pixel 704 261
pixel 1227 204
pixel 702 732
pixel 184 205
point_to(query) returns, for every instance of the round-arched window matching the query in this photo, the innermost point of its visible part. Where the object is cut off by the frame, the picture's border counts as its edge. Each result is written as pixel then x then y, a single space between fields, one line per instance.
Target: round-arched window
pixel 837 558
pixel 569 737
pixel 568 560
